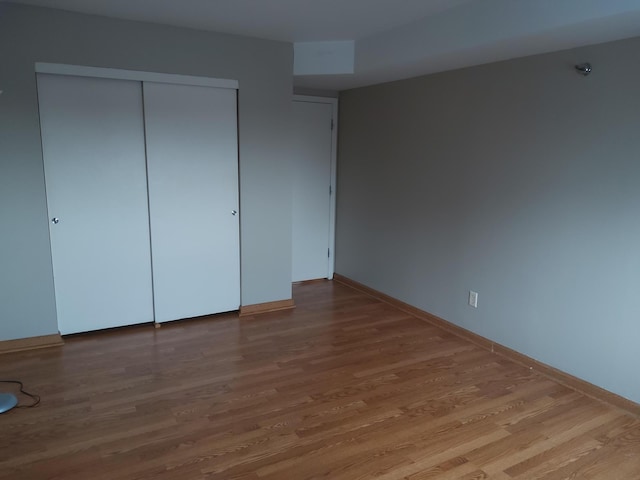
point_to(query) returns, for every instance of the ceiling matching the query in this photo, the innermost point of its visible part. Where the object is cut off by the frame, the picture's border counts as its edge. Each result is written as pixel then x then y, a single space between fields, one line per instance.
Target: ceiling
pixel 393 38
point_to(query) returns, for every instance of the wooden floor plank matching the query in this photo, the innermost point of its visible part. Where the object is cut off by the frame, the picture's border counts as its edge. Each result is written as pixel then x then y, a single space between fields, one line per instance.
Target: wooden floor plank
pixel 344 387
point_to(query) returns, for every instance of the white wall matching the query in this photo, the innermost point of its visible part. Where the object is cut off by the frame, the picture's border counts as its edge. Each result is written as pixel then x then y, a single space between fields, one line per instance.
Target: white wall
pixel 263 68
pixel 519 180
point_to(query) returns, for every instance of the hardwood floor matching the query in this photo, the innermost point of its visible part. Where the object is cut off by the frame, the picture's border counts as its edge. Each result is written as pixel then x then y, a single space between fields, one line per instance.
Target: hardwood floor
pixel 343 387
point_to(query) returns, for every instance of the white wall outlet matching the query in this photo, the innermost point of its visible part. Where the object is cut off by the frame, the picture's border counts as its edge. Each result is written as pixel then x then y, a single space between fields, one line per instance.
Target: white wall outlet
pixel 473 299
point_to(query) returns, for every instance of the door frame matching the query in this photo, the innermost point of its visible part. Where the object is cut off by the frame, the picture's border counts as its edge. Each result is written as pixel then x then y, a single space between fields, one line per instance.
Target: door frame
pixel 334 157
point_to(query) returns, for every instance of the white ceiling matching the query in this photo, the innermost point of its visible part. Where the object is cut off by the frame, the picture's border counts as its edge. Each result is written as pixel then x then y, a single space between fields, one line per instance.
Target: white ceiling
pixel 394 38
pixel 286 20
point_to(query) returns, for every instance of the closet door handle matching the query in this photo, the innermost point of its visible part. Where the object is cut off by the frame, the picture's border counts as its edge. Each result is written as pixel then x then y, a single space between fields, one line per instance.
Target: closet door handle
pixel 234 212
pixel 55 220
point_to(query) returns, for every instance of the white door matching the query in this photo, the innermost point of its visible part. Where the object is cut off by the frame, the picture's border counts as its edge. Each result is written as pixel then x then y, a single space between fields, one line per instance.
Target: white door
pixel 94 157
pixel 192 162
pixel 311 172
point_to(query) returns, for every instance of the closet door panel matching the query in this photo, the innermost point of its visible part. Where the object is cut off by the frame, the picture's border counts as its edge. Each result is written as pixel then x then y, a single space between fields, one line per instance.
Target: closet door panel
pixel 192 163
pixel 94 156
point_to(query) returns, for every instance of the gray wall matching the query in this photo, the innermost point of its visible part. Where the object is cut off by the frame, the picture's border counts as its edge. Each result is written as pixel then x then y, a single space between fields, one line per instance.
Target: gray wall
pixel 315 92
pixel 264 70
pixel 519 180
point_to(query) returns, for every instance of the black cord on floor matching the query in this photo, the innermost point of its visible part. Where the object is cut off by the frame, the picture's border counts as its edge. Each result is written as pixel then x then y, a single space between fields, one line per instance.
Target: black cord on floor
pixel 36 398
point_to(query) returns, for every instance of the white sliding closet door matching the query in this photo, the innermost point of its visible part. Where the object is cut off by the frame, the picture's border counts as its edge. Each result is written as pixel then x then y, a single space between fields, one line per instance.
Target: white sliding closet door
pixel 94 158
pixel 192 163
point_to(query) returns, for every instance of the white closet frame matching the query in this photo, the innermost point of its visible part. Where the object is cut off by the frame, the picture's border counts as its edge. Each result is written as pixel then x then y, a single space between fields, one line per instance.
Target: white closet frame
pixel 118 74
pixel 135 75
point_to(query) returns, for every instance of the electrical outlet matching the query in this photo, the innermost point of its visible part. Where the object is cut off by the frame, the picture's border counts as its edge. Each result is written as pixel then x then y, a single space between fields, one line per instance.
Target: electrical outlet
pixel 473 299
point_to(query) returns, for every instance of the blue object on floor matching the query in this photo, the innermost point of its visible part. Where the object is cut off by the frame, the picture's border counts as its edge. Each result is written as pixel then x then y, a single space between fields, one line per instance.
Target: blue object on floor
pixel 7 402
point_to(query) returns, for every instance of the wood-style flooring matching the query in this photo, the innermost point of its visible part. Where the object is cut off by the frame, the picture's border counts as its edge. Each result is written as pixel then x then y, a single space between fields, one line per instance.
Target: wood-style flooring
pixel 344 387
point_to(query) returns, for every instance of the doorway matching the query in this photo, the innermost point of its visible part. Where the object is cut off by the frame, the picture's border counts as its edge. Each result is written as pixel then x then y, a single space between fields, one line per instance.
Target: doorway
pixel 314 134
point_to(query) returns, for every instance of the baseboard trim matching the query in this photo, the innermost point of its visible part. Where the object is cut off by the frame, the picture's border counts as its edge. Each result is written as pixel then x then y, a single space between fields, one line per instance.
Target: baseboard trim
pixel 259 308
pixel 559 376
pixel 31 343
pixel 310 282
